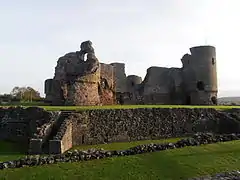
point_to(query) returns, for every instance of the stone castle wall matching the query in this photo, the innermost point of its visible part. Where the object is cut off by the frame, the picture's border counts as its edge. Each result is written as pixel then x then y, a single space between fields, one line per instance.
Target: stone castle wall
pixel 105 126
pixel 120 78
pixel 162 86
pixel 107 73
pixel 106 84
pixel 195 83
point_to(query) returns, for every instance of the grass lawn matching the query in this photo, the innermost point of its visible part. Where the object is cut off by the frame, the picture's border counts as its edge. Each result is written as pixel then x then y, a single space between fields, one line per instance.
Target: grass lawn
pixel 170 164
pixel 124 145
pixel 11 151
pixel 78 108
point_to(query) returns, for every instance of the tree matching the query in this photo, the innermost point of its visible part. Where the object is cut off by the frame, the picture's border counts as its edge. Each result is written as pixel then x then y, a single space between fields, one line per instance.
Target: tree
pixel 25 93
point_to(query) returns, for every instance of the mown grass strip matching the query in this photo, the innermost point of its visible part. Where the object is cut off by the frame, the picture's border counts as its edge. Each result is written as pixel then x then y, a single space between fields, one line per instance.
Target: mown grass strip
pixel 79 108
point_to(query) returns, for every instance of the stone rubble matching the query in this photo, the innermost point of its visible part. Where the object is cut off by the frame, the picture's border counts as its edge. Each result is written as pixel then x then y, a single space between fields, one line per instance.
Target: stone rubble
pixel 62 130
pixel 234 175
pixel 78 155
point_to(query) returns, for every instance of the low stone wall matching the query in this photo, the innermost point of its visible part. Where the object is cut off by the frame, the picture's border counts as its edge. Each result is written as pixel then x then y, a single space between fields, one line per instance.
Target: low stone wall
pixel 63 139
pixel 105 126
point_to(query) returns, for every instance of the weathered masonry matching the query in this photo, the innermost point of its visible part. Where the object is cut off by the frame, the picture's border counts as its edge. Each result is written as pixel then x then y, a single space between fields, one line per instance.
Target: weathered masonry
pixel 88 82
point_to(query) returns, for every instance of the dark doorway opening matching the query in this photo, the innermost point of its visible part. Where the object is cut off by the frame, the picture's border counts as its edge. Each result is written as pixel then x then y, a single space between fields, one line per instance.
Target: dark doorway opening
pixel 200 85
pixel 121 100
pixel 214 100
pixel 188 100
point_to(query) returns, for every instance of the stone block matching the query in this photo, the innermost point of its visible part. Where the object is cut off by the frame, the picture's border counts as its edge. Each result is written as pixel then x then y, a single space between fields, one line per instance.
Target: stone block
pixel 55 147
pixel 35 146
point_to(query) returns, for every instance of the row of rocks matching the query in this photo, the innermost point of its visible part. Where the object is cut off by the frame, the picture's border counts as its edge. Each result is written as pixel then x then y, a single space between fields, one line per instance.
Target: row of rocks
pixel 234 175
pixel 78 155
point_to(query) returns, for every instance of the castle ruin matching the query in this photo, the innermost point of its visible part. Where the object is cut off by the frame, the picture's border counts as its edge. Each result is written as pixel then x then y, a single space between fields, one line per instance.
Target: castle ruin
pixel 88 82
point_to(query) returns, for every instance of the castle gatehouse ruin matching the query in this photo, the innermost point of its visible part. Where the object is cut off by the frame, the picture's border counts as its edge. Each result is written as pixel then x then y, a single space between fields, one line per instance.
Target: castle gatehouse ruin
pixel 88 82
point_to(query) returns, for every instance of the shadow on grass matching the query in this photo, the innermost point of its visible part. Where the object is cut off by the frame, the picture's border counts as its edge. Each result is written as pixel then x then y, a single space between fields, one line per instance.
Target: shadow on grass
pixel 12 150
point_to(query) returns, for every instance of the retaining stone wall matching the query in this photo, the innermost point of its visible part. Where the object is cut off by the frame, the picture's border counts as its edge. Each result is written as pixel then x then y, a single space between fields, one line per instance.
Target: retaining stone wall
pixel 63 139
pixel 105 126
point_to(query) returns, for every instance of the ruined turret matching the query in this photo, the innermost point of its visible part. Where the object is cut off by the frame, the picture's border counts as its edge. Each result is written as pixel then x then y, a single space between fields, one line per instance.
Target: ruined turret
pixel 78 79
pixel 82 77
pixel 200 75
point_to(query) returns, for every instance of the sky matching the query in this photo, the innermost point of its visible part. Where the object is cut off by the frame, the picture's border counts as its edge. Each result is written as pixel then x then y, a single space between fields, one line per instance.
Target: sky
pixel 139 33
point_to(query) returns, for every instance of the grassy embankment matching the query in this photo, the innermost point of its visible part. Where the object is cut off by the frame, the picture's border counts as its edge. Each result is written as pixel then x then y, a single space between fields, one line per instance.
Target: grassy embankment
pixel 170 164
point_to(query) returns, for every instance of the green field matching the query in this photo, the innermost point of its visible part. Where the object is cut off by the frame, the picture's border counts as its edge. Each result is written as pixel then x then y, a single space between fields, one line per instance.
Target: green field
pixel 79 108
pixel 171 164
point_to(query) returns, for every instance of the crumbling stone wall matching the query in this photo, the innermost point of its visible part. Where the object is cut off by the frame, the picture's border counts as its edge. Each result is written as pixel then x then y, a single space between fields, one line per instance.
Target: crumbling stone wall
pixel 54 92
pixel 27 125
pixel 19 124
pixel 62 141
pixel 120 77
pixel 103 126
pixel 195 83
pixel 106 89
pixel 81 82
pixel 162 86
pixel 107 73
pixel 42 135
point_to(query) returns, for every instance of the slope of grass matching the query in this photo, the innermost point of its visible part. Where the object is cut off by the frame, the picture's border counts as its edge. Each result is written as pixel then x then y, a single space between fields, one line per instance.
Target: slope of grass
pixel 171 164
pixel 11 151
pixel 78 108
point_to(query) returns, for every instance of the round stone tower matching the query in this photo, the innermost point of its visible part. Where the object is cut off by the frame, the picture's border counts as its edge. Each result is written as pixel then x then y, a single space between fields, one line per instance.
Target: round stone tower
pixel 132 82
pixel 200 76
